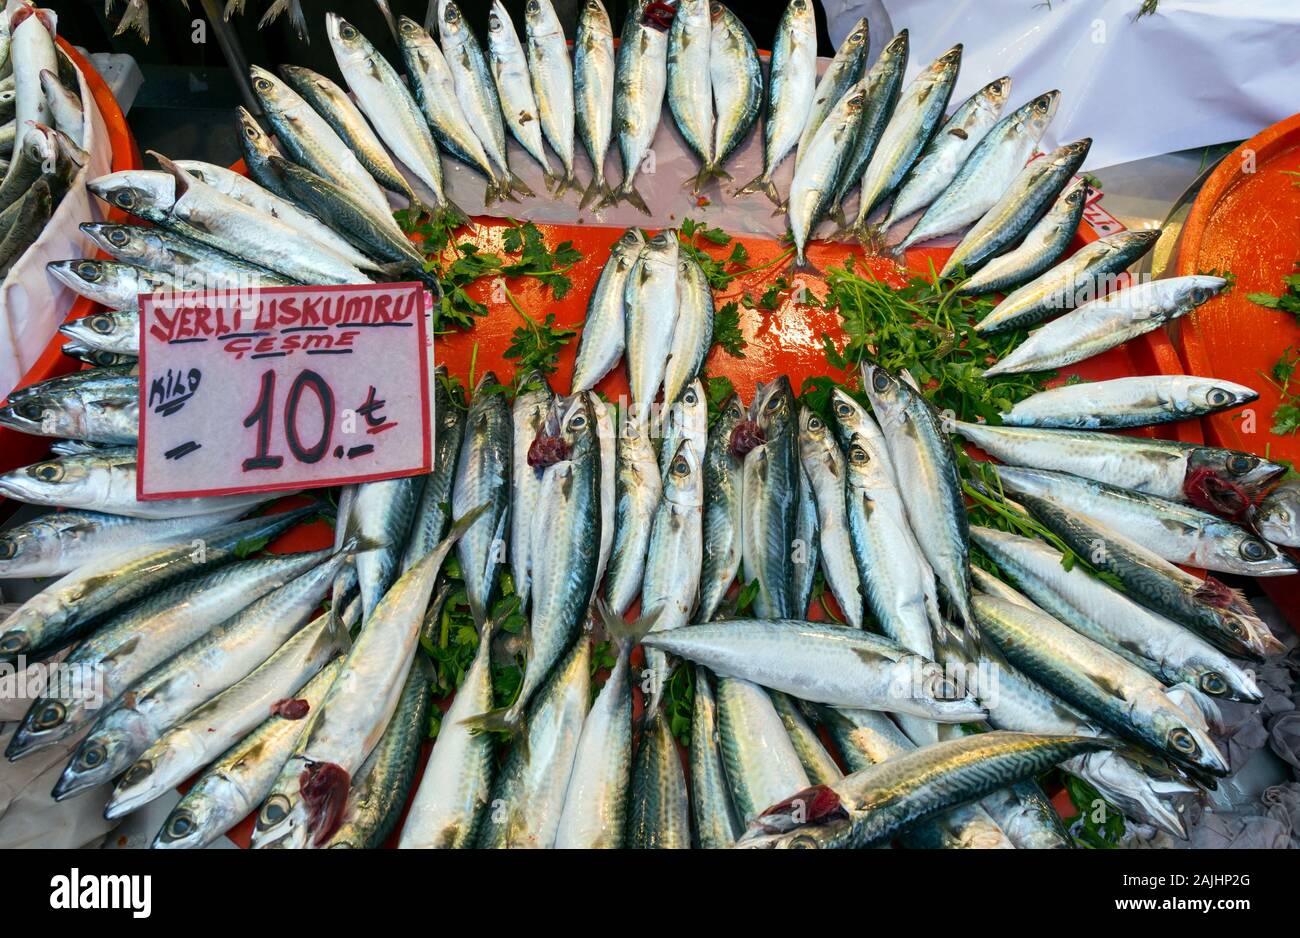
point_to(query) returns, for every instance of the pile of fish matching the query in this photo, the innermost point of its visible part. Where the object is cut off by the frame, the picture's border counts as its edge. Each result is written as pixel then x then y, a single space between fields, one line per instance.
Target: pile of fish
pixel 42 129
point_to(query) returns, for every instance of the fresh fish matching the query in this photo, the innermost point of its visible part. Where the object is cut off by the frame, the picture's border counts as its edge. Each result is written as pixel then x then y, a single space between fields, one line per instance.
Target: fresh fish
pixel 988 172
pixel 1223 481
pixel 99 408
pixel 1276 517
pixel 1179 533
pixel 883 82
pixel 916 117
pixel 433 511
pixel 593 92
pixel 475 92
pixel 1105 686
pixel 529 794
pixel 310 795
pixel 640 80
pixel 379 792
pixel 607 434
pixel 109 283
pixel 380 520
pixel 233 786
pixel 258 147
pixel 145 634
pixel 36 152
pixel 1020 207
pixel 638 487
pixel 1085 275
pixel 97 358
pixel 824 465
pixel 723 512
pixel 1105 323
pixel 190 264
pixel 552 78
pixel 737 78
pixel 693 331
pixel 65 608
pixel 309 140
pixel 213 727
pixel 105 481
pixel 926 468
pixel 673 558
pixel 852 419
pixel 601 344
pixel 384 98
pixel 218 660
pixel 270 202
pixel 816 183
pixel 658 811
pixel 807 547
pixel 845 71
pixel 434 86
pixel 453 794
pixel 872 806
pixel 595 812
pixel 514 86
pixel 791 91
pixel 814 758
pixel 867 738
pixel 528 417
pixel 821 663
pixel 1218 613
pixel 945 154
pixel 1023 811
pixel 31 51
pixel 690 82
pixel 338 110
pixel 714 820
pixel 650 312
pixel 759 759
pixel 771 500
pixel 1120 403
pixel 565 548
pixel 1042 246
pixel 1086 604
pixel 365 229
pixel 62 541
pixel 688 420
pixel 483 476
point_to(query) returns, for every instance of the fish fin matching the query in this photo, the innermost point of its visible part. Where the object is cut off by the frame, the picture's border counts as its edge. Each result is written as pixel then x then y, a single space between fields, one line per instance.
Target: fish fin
pixel 452 210
pixel 183 179
pixel 760 184
pixel 708 172
pixel 801 264
pixel 564 184
pixel 518 185
pixel 594 190
pixel 631 196
pixel 837 215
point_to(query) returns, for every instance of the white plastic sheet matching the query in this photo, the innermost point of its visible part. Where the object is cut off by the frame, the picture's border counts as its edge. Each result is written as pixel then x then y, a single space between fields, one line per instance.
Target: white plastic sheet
pixel 1196 72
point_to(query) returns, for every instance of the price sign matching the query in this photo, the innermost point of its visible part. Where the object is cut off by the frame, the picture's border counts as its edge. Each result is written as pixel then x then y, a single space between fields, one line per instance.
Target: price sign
pixel 281 388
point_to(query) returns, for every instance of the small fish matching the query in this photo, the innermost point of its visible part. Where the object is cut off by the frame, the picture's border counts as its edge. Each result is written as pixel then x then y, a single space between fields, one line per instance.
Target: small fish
pixel 737 78
pixel 638 487
pixel 715 825
pixel 514 84
pixel 884 81
pixel 593 92
pixel 845 71
pixel 434 509
pixel 108 283
pixel 1042 246
pixel 528 417
pixel 723 507
pixel 552 76
pixel 1120 403
pixel 602 341
pixel 1277 516
pixel 690 83
pixel 650 311
pixel 758 758
pixel 640 82
pixel 693 330
pixel 658 811
pixel 770 498
pixel 483 475
pixel 826 469
pixel 91 406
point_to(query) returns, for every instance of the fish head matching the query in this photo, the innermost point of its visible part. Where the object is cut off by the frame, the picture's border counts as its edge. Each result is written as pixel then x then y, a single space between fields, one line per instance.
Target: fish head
pixel 949 62
pixel 1213 394
pixel 282 819
pixel 595 17
pixel 630 243
pixel 54 481
pixel 1037 114
pixel 346 40
pixel 1256 554
pixel 159 770
pixel 253 137
pixel 994 95
pixel 274 94
pixel 855 42
pixel 40 414
pixel 897 48
pixel 201 816
pixel 816 818
pixel 816 438
pixel 1201 288
pixel 889 393
pixel 47 720
pixel 1224 682
pixel 22 547
pixel 1069 155
pixel 691 409
pixel 38 144
pixel 118 240
pixel 539 15
pixel 575 423
pixel 663 248
pixel 684 482
pixel 1241 476
pixel 800 17
pixel 1137 790
pixel 1073 198
pixel 451 22
pixel 1277 516
pixel 103 754
pixel 94 329
pixel 142 192
pixel 774 409
pixel 847 413
pixel 922 687
pixel 1187 743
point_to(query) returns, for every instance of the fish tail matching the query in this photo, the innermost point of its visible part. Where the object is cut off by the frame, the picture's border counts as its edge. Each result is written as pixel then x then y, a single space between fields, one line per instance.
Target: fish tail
pixel 596 190
pixel 801 264
pixel 625 633
pixel 762 183
pixel 708 172
pixel 837 215
pixel 518 185
pixel 451 210
pixel 633 197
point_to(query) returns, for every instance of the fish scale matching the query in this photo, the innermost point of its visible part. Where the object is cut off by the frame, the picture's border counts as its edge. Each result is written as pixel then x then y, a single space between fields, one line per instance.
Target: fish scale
pixel 658 809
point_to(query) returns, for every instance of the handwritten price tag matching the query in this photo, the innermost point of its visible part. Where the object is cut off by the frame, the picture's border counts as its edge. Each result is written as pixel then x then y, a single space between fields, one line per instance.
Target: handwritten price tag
pixel 282 388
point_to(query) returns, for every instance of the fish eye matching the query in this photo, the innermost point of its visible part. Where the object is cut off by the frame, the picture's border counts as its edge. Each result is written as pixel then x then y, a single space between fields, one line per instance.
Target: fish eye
pixel 856 37
pixel 815 422
pixel 8 549
pixel 262 84
pixel 690 396
pixel 273 812
pixel 996 87
pixel 1183 742
pixel 101 324
pixel 124 198
pixel 1212 682
pixel 137 773
pixel 408 26
pixel 577 422
pixel 47 472
pixel 30 409
pixel 880 380
pixel 800 4
pixel 1240 464
pixel 180 825
pixel 452 13
pixel 1218 397
pixel 842 409
pixel 533 7
pixel 13 642
pixel 51 715
pixel 804 842
pixel 494 22
pixel 92 756
pixel 858 456
pixel 348 31
pixel 681 467
pixel 773 404
pixel 1252 549
pixel 250 131
pixel 87 270
pixel 118 236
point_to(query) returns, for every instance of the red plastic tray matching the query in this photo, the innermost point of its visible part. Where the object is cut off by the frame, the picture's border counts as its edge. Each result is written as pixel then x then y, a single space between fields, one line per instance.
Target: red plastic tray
pixel 1245 221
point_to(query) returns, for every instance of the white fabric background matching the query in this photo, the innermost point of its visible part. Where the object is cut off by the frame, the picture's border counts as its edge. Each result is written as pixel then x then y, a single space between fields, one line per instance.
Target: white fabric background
pixel 1197 72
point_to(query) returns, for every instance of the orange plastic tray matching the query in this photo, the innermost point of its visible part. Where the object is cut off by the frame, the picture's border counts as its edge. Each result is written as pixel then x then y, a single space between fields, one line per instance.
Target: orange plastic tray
pixel 19 449
pixel 1245 221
